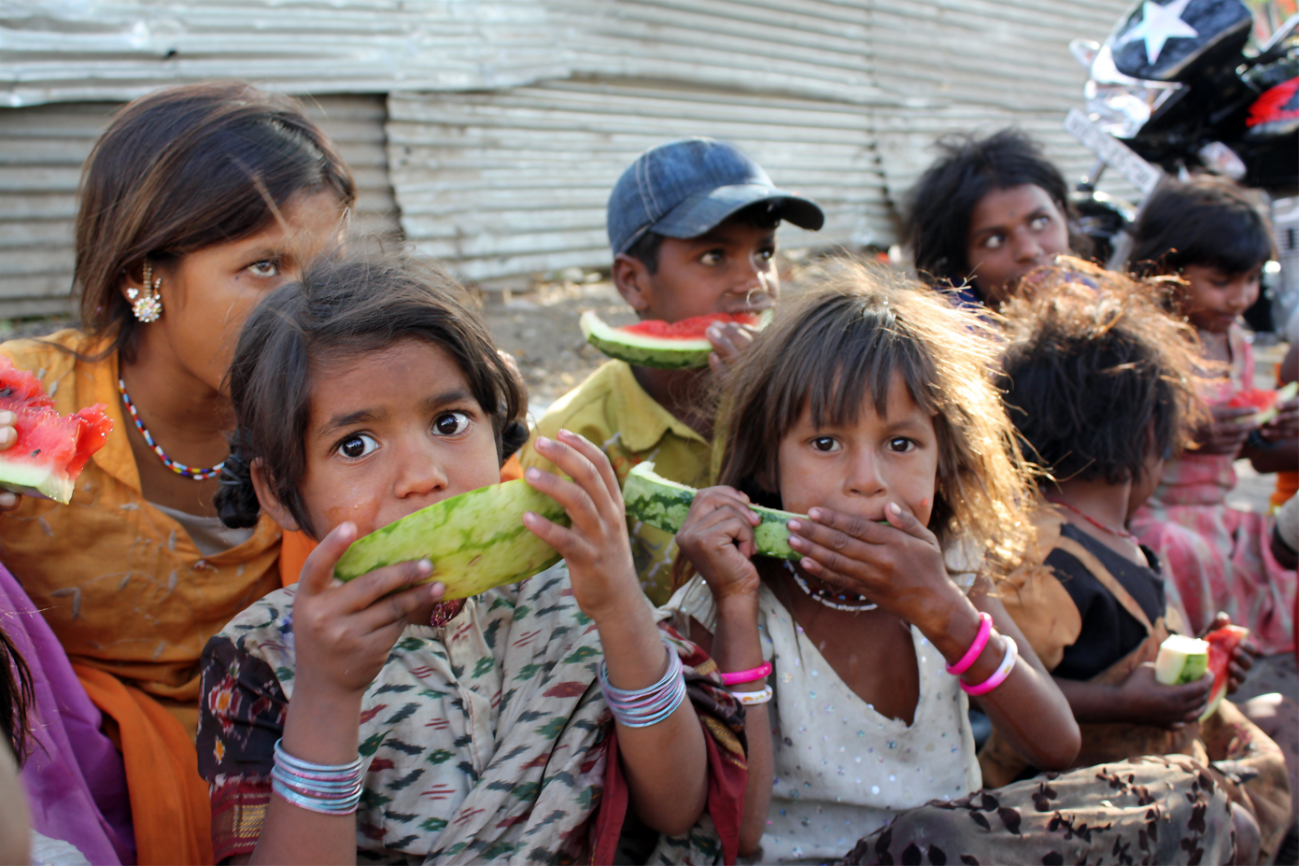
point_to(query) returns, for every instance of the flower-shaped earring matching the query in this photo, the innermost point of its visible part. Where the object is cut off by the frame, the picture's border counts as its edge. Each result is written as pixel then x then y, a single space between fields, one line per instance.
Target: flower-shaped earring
pixel 147 306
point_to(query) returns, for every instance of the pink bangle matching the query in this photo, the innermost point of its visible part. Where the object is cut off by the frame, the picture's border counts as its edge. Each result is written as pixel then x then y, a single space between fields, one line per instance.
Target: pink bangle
pixel 998 677
pixel 976 649
pixel 751 675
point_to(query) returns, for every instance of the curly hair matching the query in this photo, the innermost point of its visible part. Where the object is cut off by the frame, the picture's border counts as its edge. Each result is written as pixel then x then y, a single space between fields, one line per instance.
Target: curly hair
pixel 836 350
pixel 1095 375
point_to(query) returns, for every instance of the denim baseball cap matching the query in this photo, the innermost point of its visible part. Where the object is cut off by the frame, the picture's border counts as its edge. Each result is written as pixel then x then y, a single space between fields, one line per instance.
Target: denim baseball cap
pixel 687 187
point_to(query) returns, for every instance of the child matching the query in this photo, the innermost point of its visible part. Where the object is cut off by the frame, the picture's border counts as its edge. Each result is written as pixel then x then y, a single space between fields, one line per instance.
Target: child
pixel 865 404
pixel 692 224
pixel 1218 559
pixel 456 731
pixel 1101 387
pixel 986 213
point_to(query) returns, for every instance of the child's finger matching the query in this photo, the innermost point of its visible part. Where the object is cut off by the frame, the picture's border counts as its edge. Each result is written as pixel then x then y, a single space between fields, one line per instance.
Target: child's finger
pixel 825 526
pixel 398 606
pixel 577 465
pixel 362 592
pixel 552 533
pixel 581 510
pixel 598 459
pixel 317 573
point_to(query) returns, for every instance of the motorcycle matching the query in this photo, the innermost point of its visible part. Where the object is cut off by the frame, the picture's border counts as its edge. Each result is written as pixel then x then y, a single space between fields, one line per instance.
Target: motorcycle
pixel 1186 86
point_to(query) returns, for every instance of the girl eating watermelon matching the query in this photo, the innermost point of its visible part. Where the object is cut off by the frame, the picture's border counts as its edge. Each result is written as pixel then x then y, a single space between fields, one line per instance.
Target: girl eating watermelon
pixel 1209 235
pixel 1101 386
pixel 536 721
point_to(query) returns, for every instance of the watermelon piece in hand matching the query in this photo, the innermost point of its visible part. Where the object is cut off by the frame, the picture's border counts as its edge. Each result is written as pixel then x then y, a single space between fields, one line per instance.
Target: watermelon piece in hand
pixel 656 343
pixel 1222 644
pixel 1264 400
pixel 51 449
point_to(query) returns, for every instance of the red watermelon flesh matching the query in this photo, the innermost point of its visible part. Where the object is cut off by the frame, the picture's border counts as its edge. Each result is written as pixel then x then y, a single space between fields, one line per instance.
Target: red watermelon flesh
pixel 693 328
pixel 1222 643
pixel 51 449
pixel 1262 399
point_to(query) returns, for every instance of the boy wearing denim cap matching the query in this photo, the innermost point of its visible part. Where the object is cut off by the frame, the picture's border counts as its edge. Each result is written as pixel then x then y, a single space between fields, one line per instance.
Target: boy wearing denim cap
pixel 692 224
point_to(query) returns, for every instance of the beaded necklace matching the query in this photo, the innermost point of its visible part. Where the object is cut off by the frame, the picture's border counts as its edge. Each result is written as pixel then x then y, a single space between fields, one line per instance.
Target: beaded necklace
pixel 1121 533
pixel 179 468
pixel 823 596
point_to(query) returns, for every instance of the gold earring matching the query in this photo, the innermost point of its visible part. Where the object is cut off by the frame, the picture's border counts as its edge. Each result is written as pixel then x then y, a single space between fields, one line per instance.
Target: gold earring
pixel 147 306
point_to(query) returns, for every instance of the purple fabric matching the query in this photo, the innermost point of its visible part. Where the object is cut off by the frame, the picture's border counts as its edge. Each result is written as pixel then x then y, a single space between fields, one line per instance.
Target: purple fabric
pixel 75 781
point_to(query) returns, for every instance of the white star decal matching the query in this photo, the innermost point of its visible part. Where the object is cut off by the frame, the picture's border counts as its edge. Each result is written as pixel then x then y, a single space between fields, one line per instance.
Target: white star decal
pixel 1158 25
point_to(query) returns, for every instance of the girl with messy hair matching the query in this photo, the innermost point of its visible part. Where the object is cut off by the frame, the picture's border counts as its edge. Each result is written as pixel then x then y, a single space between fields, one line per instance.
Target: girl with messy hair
pixel 1101 385
pixel 867 406
pixel 372 718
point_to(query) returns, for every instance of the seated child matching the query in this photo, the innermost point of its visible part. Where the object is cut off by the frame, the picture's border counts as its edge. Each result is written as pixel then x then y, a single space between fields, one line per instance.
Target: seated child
pixel 371 719
pixel 692 224
pixel 986 213
pixel 868 407
pixel 1101 387
pixel 1218 558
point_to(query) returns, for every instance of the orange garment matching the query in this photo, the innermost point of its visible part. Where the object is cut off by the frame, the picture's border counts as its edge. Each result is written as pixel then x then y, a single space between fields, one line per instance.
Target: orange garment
pixel 169 801
pixel 121 584
pixel 1287 483
pixel 297 545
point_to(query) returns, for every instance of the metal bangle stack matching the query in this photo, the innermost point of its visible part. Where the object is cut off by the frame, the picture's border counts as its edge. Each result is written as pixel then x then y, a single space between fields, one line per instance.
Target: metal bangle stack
pixel 641 708
pixel 324 788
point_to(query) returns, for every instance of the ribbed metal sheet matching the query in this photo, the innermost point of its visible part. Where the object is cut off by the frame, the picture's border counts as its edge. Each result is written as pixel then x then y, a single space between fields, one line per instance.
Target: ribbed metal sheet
pixel 41 153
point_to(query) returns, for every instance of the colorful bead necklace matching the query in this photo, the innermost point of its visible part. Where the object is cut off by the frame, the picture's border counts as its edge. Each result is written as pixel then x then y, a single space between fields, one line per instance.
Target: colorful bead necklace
pixel 1121 533
pixel 179 468
pixel 823 596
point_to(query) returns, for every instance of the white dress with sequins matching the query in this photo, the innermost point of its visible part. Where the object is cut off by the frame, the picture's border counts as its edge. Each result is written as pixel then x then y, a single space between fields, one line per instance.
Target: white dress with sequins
pixel 842 770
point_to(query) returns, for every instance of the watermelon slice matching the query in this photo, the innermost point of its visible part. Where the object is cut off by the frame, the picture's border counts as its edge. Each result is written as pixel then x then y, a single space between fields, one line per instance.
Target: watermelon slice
pixel 51 449
pixel 475 541
pixel 663 504
pixel 1181 660
pixel 1265 401
pixel 1222 643
pixel 655 343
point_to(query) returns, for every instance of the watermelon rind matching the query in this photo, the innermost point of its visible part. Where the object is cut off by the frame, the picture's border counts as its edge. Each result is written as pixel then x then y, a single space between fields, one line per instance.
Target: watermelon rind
pixel 1181 660
pixel 663 504
pixel 641 350
pixel 37 481
pixel 1220 686
pixel 475 541
pixel 1286 393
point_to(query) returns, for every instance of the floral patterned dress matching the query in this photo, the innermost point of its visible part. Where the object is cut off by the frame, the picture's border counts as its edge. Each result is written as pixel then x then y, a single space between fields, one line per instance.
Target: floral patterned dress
pixel 1218 558
pixel 486 738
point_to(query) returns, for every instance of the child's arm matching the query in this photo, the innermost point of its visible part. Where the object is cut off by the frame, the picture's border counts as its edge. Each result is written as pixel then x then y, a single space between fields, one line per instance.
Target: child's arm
pixel 342 635
pixel 666 763
pixel 1140 699
pixel 717 538
pixel 900 566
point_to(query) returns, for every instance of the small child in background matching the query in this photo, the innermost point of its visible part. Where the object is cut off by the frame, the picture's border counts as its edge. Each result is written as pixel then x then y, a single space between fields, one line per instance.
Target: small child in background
pixel 868 406
pixel 986 213
pixel 692 224
pixel 1101 386
pixel 1210 235
pixel 371 718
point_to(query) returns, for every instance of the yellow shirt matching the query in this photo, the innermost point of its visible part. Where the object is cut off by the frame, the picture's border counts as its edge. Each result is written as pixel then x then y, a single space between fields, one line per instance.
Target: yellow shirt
pixel 120 583
pixel 612 410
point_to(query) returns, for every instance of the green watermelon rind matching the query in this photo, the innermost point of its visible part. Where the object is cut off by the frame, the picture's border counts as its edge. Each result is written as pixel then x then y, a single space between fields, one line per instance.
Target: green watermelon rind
pixel 476 541
pixel 641 350
pixel 663 504
pixel 1181 660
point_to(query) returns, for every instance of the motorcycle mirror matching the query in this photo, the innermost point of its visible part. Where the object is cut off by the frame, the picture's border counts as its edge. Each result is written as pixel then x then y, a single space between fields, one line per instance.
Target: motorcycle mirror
pixel 1084 51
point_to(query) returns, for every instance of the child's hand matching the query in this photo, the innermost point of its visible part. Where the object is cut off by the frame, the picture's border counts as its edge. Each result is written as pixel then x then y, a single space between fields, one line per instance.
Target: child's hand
pixel 899 566
pixel 717 538
pixel 596 546
pixel 8 436
pixel 1285 425
pixel 1227 433
pixel 343 632
pixel 1142 699
pixel 729 339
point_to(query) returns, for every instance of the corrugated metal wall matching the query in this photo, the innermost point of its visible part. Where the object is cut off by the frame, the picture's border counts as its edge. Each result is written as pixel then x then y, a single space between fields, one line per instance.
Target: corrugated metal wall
pixel 41 152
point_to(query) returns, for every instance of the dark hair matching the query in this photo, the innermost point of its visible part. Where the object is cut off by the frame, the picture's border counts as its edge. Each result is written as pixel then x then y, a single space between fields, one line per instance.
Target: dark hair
pixel 340 308
pixel 1208 221
pixel 184 168
pixel 16 695
pixel 762 215
pixel 936 224
pixel 841 344
pixel 1095 375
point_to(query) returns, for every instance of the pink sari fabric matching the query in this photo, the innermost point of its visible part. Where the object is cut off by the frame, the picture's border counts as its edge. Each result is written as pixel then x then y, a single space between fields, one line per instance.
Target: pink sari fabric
pixel 1215 557
pixel 75 782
